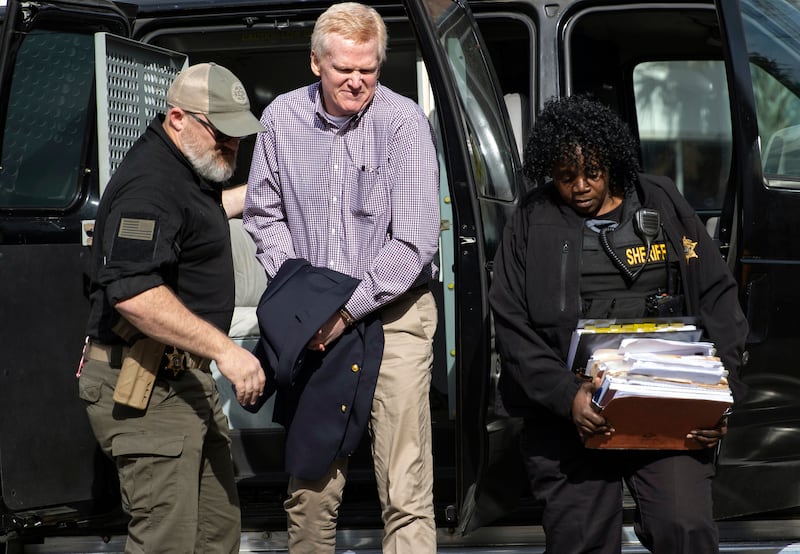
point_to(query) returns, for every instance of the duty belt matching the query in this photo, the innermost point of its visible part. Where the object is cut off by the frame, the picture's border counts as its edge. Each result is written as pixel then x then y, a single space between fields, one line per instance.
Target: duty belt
pixel 175 360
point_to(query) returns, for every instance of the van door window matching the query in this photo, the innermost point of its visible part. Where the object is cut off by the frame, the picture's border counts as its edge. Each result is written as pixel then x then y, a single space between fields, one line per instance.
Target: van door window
pixel 683 115
pixel 47 121
pixel 660 67
pixel 493 152
pixel 773 46
pixel 778 111
pixel 509 39
pixel 492 149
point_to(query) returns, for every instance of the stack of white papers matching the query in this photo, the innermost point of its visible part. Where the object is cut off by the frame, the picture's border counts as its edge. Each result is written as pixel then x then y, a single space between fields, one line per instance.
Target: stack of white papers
pixel 666 346
pixel 618 386
pixel 654 387
pixel 659 368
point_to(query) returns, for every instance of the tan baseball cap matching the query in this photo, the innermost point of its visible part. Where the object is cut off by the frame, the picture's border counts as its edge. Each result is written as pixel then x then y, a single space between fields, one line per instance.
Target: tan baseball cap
pixel 214 91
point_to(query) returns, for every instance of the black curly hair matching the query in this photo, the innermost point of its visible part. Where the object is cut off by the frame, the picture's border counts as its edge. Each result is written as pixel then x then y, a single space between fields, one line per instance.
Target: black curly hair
pixel 564 124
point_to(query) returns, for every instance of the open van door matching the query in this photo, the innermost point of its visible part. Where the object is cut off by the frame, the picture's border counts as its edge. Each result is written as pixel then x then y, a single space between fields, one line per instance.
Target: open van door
pixel 51 469
pixel 761 453
pixel 482 165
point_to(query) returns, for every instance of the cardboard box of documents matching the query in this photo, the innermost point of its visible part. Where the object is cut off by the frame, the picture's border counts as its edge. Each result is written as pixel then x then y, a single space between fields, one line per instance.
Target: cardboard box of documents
pixel 654 389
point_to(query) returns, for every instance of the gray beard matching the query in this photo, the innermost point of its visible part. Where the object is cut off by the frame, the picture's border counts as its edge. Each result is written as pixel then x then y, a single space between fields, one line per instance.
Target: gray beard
pixel 208 163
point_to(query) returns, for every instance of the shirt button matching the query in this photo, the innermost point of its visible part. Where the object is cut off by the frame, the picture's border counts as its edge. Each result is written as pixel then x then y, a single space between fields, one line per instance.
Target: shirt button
pixel 333 199
pixel 354 368
pixel 336 166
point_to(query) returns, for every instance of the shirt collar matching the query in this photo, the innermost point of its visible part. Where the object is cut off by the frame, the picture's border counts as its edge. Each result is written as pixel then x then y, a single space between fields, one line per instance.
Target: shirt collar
pixel 323 115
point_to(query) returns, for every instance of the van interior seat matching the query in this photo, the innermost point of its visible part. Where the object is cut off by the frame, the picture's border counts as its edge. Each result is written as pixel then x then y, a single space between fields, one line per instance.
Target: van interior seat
pixel 712 226
pixel 517 106
pixel 782 155
pixel 250 282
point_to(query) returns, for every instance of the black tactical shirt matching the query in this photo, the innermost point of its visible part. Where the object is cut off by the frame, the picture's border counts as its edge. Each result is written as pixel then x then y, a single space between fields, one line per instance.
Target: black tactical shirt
pixel 160 223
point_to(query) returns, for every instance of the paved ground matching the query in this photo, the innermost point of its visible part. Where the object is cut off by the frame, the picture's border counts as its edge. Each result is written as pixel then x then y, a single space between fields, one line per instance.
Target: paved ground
pixel 766 537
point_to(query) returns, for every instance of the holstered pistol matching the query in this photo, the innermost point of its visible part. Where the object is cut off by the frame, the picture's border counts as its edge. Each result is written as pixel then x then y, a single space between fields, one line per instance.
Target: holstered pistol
pixel 140 366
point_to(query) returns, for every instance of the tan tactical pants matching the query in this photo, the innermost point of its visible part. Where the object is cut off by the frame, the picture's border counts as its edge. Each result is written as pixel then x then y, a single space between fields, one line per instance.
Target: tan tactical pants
pixel 173 459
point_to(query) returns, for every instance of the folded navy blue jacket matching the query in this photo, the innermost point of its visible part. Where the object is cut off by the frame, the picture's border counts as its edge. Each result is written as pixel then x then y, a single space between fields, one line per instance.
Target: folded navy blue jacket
pixel 323 398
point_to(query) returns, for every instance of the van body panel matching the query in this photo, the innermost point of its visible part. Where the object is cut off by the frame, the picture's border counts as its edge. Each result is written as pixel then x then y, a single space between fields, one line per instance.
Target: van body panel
pixel 49 463
pixel 758 223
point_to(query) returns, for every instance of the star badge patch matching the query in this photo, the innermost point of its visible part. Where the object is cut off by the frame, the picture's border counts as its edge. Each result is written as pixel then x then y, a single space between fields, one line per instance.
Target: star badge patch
pixel 688 249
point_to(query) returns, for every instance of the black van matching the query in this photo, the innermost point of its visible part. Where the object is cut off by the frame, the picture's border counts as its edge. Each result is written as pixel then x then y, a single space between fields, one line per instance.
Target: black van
pixel 711 88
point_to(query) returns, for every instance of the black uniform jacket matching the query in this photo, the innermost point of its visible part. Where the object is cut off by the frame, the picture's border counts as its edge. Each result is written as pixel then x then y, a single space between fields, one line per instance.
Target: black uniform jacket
pixel 535 294
pixel 323 398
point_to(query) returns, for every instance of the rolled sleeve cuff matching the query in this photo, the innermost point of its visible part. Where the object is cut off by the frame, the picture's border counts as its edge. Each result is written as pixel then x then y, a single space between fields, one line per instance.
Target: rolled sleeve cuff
pixel 122 289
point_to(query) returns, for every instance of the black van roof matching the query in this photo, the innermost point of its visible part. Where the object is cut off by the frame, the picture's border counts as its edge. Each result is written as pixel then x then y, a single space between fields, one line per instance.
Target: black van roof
pixel 146 6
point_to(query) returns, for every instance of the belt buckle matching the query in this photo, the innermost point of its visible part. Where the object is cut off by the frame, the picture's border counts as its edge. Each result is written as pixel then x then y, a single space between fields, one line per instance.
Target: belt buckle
pixel 177 361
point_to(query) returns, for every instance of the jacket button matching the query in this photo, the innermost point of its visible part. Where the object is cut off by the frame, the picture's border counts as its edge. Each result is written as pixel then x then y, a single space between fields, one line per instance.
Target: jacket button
pixel 354 368
pixel 344 408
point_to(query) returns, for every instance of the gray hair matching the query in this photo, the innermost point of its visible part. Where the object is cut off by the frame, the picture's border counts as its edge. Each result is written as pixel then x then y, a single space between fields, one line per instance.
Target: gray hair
pixel 353 21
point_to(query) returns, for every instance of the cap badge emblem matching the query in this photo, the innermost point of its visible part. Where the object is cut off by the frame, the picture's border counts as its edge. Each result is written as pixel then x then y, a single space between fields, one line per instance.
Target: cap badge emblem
pixel 238 93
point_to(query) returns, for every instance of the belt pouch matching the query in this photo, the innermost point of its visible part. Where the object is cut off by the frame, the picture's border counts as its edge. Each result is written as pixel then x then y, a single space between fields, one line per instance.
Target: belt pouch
pixel 138 373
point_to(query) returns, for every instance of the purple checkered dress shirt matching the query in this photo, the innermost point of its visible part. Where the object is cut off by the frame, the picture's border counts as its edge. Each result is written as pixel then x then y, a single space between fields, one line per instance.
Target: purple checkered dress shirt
pixel 361 198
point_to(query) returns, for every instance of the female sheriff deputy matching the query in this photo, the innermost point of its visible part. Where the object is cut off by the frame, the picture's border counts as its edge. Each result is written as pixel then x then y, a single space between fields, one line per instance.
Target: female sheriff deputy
pixel 598 239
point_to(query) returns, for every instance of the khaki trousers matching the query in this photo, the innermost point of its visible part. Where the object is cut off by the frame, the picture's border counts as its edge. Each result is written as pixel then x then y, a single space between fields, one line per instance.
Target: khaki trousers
pixel 173 460
pixel 400 429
